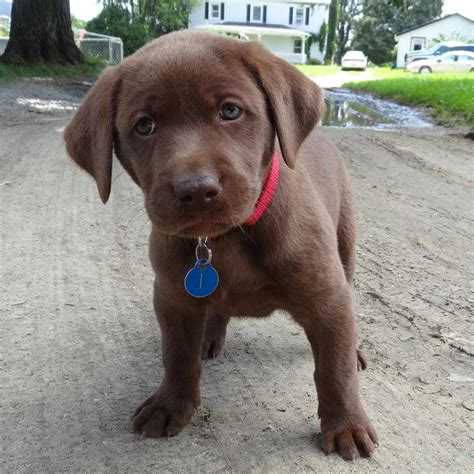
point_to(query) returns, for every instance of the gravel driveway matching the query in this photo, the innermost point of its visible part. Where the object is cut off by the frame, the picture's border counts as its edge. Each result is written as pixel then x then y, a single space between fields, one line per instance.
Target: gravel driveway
pixel 80 347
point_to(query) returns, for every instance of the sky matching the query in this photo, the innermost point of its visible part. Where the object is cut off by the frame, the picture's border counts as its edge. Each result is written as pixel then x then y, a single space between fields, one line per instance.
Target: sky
pixel 464 7
pixel 87 9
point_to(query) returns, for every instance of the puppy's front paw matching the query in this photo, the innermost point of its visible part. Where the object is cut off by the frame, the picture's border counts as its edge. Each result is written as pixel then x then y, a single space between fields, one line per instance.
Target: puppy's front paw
pixel 350 436
pixel 162 415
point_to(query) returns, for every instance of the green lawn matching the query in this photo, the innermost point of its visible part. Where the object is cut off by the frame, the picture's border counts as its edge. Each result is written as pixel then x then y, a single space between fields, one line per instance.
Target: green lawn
pixel 310 70
pixel 450 96
pixel 13 72
pixel 376 72
pixel 386 72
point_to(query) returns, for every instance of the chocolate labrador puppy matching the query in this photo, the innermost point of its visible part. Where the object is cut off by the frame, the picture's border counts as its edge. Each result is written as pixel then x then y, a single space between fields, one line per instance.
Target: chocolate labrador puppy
pixel 251 210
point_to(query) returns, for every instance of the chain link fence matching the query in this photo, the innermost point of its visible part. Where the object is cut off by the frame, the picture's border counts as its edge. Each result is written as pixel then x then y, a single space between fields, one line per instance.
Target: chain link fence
pixel 103 47
pixel 106 48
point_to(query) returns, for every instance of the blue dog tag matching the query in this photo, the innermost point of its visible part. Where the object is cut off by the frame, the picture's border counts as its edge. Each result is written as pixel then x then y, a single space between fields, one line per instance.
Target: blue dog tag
pixel 201 280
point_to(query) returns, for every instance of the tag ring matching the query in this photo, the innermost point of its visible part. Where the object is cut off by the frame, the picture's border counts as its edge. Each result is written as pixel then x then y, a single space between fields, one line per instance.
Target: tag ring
pixel 202 245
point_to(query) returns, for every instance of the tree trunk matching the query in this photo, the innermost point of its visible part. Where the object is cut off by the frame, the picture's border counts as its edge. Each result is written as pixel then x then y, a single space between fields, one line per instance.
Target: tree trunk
pixel 41 32
pixel 332 26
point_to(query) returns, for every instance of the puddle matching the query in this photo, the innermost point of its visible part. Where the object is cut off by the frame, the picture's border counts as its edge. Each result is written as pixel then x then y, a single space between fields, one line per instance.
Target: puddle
pixel 346 109
pixel 47 105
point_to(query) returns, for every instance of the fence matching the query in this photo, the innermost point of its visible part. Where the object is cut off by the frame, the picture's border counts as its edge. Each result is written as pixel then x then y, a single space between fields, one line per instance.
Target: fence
pixel 106 48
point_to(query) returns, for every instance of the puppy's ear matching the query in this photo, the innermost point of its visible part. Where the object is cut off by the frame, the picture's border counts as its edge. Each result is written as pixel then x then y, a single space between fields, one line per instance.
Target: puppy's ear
pixel 89 136
pixel 296 102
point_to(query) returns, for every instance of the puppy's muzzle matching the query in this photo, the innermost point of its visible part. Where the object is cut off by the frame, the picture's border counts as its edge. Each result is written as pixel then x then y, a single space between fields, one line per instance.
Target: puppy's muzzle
pixel 198 193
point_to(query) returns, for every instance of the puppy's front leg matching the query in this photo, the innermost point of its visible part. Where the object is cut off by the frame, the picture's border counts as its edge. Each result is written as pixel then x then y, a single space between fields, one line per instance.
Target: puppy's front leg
pixel 170 408
pixel 330 328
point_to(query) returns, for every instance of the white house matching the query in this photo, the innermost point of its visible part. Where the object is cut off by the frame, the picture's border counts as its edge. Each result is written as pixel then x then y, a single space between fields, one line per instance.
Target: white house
pixel 280 25
pixel 453 26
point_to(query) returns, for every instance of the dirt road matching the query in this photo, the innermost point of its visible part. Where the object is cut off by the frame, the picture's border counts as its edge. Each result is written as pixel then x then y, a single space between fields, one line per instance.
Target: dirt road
pixel 80 347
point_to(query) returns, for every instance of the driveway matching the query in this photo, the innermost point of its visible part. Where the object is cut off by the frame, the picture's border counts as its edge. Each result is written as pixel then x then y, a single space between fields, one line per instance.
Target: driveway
pixel 341 77
pixel 80 346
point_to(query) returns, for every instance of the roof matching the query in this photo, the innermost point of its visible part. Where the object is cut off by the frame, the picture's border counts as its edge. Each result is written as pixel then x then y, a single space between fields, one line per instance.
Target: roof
pixel 253 28
pixel 433 21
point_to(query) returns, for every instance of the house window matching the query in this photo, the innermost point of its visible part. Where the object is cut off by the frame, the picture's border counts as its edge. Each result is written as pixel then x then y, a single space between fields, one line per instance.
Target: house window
pixel 299 15
pixel 417 43
pixel 257 14
pixel 215 10
pixel 298 45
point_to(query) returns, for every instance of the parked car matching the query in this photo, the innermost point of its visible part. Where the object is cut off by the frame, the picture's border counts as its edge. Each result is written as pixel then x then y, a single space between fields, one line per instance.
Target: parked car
pixel 354 60
pixel 454 61
pixel 438 49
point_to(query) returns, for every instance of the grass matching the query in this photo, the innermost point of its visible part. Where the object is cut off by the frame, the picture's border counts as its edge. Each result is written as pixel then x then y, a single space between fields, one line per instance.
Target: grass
pixel 312 70
pixel 376 72
pixel 12 72
pixel 450 96
pixel 386 72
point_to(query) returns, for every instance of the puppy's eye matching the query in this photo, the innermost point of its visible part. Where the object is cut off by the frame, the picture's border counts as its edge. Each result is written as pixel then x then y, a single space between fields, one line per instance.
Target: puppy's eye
pixel 145 126
pixel 230 112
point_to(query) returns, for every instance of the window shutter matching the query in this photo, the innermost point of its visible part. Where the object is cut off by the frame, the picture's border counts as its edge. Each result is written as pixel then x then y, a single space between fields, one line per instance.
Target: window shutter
pixel 291 16
pixel 248 13
pixel 222 11
pixel 206 11
pixel 264 14
pixel 306 22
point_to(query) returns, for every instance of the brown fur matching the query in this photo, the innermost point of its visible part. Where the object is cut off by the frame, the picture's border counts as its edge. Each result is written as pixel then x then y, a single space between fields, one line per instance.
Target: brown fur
pixel 299 257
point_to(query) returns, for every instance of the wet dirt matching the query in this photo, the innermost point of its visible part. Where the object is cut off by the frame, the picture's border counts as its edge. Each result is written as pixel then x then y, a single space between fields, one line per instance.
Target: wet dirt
pixel 80 345
pixel 347 109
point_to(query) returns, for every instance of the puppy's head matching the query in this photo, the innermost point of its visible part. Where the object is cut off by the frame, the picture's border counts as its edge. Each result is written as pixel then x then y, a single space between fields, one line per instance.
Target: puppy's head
pixel 193 118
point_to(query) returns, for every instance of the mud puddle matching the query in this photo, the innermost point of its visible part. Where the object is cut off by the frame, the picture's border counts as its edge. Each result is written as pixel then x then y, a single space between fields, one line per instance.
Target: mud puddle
pixel 346 109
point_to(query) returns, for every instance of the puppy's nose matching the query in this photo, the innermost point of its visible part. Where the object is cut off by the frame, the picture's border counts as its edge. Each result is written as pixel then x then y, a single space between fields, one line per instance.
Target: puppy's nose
pixel 198 192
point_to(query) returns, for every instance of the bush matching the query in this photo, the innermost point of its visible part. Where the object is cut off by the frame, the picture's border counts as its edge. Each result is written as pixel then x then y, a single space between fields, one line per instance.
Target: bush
pixel 114 20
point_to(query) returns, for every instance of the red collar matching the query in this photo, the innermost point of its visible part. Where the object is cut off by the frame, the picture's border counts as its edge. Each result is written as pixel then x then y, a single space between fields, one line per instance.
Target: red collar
pixel 268 190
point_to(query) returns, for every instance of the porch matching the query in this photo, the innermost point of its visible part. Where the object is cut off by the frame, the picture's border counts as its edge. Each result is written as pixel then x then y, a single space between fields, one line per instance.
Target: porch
pixel 284 42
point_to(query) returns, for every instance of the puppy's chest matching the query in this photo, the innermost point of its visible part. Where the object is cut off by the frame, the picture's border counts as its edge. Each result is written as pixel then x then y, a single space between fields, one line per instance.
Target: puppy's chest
pixel 245 285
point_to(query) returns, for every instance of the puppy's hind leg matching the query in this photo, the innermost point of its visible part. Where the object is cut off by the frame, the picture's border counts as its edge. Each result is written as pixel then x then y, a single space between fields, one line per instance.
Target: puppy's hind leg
pixel 214 335
pixel 346 236
pixel 346 240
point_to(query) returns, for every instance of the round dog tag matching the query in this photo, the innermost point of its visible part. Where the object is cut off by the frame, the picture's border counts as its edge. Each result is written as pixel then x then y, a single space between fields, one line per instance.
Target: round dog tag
pixel 201 280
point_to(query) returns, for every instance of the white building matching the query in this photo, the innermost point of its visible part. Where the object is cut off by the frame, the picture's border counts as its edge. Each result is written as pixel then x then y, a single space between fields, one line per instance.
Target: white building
pixel 453 26
pixel 280 25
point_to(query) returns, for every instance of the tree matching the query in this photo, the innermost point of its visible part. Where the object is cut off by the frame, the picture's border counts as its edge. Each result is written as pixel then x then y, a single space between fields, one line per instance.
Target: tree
pixel 165 16
pixel 381 20
pixel 416 12
pixel 348 11
pixel 332 26
pixel 114 20
pixel 139 21
pixel 78 24
pixel 41 32
pixel 374 32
